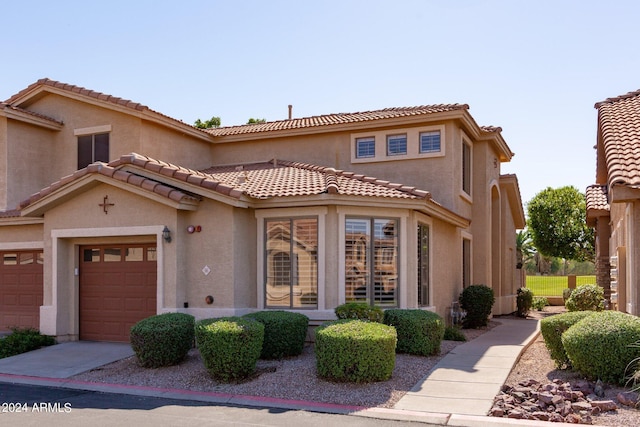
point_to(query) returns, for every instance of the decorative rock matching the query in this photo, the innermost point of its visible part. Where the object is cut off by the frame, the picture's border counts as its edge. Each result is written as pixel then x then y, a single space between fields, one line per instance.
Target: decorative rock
pixel 628 398
pixel 605 405
pixel 573 419
pixel 540 416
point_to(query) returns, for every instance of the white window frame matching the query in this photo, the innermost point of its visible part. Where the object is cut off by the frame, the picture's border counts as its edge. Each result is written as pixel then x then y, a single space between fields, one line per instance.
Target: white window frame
pixel 402 217
pixel 365 139
pixel 298 212
pixel 413 144
pixel 392 140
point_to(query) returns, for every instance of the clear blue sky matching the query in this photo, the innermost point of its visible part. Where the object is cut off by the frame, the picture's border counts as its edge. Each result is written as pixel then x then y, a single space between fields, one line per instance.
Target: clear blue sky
pixel 534 68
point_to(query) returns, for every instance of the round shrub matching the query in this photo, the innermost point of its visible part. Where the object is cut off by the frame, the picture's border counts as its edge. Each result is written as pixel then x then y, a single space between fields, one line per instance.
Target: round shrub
pixel 539 303
pixel 229 346
pixel 586 297
pixel 453 333
pixel 360 311
pixel 600 345
pixel 284 333
pixel 553 327
pixel 524 301
pixel 355 351
pixel 162 340
pixel 419 332
pixel 477 301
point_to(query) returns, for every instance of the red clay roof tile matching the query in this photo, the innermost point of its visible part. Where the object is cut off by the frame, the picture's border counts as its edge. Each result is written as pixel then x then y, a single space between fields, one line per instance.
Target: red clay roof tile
pixel 619 122
pixel 596 197
pixel 334 119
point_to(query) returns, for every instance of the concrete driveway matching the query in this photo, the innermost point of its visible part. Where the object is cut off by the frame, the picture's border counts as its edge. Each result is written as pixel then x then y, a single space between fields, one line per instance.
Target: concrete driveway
pixel 65 360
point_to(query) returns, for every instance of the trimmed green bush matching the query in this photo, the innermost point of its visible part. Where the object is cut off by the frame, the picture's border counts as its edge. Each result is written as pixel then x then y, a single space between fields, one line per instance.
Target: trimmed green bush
pixel 553 327
pixel 162 340
pixel 477 301
pixel 566 293
pixel 419 332
pixel 355 351
pixel 22 340
pixel 284 333
pixel 229 346
pixel 524 301
pixel 539 303
pixel 600 346
pixel 586 297
pixel 360 311
pixel 453 333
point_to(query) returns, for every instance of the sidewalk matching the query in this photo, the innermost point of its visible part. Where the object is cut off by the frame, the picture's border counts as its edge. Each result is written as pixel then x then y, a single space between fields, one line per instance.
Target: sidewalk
pixel 458 391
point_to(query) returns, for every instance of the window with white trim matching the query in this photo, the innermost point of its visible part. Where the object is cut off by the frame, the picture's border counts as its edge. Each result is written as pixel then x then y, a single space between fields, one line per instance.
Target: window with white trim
pixel 396 145
pixel 291 263
pixel 430 142
pixel 365 147
pixel 371 261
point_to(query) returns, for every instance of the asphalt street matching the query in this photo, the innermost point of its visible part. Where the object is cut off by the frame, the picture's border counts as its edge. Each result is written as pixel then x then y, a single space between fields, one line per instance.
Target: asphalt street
pixel 28 405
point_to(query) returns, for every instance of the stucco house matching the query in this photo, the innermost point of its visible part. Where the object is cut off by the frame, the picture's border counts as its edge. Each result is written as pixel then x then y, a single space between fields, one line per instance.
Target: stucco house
pixel 613 202
pixel 111 212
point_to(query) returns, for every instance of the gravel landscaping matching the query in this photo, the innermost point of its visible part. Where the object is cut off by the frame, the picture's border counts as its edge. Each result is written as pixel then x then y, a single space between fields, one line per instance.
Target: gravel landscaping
pixel 295 378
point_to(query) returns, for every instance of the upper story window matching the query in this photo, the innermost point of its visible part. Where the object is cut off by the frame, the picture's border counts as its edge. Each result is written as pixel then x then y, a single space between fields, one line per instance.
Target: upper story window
pixel 93 148
pixel 430 142
pixel 396 145
pixel 365 147
pixel 466 168
pixel 392 145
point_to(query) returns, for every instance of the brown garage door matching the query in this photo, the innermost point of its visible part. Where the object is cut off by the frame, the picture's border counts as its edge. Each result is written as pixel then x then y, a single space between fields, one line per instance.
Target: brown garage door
pixel 20 289
pixel 117 289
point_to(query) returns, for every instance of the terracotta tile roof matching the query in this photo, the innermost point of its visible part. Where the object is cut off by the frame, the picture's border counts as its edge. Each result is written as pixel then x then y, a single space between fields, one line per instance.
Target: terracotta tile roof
pixel 259 180
pixel 92 94
pixel 619 124
pixel 5 106
pixel 14 213
pixel 335 119
pixel 280 178
pixel 596 197
pixel 110 170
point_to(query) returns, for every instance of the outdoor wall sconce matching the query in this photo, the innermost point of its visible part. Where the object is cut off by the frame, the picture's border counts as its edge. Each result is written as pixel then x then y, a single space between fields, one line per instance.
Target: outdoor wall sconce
pixel 166 234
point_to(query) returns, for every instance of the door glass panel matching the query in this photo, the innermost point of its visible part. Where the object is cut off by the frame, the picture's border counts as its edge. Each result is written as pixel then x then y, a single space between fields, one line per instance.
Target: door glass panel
pixel 134 254
pixel 91 255
pixel 10 259
pixel 112 254
pixel 40 258
pixel 26 258
pixel 152 254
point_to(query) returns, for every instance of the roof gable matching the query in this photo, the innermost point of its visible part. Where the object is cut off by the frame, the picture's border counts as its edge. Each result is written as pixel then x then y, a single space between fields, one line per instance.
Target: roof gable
pixel 42 87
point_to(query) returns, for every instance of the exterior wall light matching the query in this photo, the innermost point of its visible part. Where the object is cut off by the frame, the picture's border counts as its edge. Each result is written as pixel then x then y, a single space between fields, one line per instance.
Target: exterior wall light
pixel 166 234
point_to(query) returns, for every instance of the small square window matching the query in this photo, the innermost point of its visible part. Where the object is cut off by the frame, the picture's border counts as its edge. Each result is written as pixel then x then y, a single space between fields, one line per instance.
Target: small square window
pixel 365 147
pixel 430 142
pixel 396 145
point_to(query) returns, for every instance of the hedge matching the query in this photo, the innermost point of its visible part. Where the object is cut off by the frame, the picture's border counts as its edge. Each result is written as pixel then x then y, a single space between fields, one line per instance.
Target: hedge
pixel 162 340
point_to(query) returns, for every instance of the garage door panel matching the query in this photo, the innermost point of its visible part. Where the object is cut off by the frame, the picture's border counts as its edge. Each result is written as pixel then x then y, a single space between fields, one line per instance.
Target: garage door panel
pixel 21 285
pixel 115 295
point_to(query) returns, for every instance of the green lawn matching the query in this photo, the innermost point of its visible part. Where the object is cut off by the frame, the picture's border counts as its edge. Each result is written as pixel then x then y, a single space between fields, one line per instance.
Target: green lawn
pixel 552 286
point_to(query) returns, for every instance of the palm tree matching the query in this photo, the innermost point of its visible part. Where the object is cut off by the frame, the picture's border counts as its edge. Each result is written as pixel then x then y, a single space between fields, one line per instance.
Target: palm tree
pixel 524 247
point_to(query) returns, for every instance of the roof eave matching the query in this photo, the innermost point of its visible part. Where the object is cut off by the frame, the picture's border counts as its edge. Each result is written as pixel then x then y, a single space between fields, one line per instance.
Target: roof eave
pixel 31 119
pixel 342 127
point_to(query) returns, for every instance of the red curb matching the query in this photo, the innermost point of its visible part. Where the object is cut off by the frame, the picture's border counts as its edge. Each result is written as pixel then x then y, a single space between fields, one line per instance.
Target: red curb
pixel 259 399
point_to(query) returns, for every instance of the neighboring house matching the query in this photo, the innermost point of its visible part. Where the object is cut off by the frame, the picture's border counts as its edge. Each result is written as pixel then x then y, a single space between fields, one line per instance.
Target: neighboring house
pixel 111 212
pixel 613 203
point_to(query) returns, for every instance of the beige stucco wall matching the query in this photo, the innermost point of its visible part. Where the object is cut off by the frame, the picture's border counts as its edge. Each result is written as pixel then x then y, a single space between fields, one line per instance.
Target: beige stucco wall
pixel 50 155
pixel 26 164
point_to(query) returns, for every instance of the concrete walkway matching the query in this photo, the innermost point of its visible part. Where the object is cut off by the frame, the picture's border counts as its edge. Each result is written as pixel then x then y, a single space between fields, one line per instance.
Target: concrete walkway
pixel 468 378
pixel 458 391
